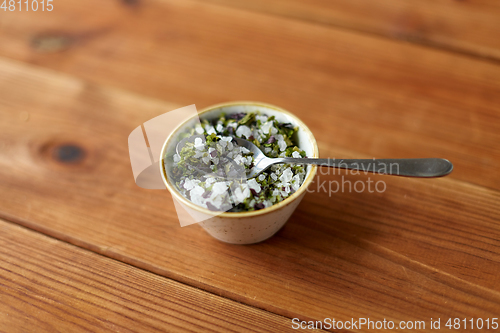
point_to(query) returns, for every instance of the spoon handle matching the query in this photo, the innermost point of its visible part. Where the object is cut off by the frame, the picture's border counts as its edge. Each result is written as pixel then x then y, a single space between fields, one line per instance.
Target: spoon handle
pixel 407 167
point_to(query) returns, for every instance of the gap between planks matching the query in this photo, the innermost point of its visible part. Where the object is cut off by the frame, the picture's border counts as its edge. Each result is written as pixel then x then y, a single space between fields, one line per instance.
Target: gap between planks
pixel 332 22
pixel 228 320
pixel 106 251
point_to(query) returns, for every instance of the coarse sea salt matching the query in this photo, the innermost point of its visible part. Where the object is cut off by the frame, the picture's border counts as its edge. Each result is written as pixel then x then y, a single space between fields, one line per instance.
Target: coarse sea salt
pixel 219 188
pixel 199 129
pixel 252 183
pixel 266 127
pixel 241 193
pixel 215 192
pixel 282 145
pixel 197 190
pixel 262 119
pixel 189 184
pixel 244 131
pixel 286 176
pixel 296 182
pixel 209 181
pixel 198 144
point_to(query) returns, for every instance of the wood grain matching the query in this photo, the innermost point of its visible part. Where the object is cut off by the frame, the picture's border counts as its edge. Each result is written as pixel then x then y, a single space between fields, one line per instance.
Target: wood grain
pixel 50 286
pixel 469 27
pixel 421 249
pixel 371 95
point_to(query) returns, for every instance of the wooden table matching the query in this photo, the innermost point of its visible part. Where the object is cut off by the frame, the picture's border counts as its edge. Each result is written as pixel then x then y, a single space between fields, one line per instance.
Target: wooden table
pixel 83 248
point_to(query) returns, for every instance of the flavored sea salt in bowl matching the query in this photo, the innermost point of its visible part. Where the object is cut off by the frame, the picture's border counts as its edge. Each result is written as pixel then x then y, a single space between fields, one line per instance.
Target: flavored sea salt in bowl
pixel 245 227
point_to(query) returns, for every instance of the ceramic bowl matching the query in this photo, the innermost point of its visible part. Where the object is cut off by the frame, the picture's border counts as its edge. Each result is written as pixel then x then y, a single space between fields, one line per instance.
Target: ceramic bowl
pixel 243 227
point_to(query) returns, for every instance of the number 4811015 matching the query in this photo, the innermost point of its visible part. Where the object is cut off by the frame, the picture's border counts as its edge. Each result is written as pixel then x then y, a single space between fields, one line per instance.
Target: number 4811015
pixel 27 5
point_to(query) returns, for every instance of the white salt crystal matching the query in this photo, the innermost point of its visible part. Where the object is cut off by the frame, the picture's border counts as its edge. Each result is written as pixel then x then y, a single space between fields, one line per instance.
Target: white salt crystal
pixel 198 144
pixel 210 181
pixel 241 193
pixel 219 188
pixel 199 129
pixel 262 119
pixel 257 135
pixel 197 191
pixel 244 131
pixel 196 195
pixel 252 183
pixel 188 184
pixel 286 176
pixel 282 145
pixel 266 127
pixel 199 201
pixel 217 201
pixel 211 130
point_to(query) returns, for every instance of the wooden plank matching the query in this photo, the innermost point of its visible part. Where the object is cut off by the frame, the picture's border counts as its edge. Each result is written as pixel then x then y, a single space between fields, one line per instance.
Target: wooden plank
pixel 469 27
pixel 378 97
pixel 421 249
pixel 50 286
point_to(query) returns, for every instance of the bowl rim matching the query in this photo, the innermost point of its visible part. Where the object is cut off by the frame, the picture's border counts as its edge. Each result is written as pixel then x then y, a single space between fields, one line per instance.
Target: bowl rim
pixel 178 196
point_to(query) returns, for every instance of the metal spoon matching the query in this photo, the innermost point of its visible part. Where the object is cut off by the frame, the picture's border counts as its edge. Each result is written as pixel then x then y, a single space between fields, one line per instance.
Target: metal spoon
pixel 407 167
